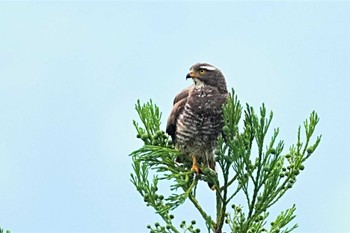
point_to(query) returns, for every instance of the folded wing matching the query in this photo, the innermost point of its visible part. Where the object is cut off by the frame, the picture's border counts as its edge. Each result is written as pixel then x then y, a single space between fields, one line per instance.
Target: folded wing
pixel 178 107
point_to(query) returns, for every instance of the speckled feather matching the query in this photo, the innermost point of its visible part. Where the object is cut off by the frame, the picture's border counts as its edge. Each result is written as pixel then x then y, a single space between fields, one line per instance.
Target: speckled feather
pixel 196 119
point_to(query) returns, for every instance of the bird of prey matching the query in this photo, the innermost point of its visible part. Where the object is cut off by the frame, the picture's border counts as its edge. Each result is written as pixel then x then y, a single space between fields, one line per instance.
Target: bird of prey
pixel 196 119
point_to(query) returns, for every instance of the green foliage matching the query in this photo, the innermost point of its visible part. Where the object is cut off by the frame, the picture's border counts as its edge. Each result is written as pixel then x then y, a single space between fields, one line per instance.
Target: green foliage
pixel 251 166
pixel 2 231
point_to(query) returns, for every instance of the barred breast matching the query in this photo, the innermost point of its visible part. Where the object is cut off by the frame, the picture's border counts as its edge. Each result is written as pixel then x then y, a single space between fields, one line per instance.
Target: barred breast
pixel 201 122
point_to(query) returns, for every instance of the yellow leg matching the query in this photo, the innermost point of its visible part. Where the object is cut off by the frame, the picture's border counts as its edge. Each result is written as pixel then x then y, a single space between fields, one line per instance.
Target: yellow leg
pixel 195 165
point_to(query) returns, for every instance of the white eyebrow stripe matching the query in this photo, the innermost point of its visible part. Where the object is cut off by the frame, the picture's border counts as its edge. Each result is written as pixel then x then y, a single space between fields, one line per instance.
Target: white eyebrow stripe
pixel 207 67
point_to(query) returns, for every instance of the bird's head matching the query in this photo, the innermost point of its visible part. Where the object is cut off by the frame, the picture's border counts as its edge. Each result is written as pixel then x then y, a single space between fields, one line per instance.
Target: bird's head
pixel 206 74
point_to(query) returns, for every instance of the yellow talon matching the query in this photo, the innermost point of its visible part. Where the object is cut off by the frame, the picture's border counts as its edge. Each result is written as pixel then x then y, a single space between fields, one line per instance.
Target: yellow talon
pixel 195 165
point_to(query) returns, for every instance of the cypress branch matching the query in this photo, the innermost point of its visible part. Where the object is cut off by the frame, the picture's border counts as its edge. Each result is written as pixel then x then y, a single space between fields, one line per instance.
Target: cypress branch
pixel 263 178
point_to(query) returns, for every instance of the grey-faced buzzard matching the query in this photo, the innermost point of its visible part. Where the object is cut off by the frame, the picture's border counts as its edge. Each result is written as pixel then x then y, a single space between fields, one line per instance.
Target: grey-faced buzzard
pixel 196 119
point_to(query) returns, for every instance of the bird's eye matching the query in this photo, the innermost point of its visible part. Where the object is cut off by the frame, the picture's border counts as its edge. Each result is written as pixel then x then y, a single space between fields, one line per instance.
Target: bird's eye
pixel 201 71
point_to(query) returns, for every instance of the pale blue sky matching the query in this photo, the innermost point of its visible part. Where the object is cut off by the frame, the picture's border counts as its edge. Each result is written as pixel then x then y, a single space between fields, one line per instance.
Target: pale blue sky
pixel 71 72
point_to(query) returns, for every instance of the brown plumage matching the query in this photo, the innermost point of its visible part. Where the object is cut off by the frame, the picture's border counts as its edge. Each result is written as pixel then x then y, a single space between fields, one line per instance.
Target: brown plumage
pixel 196 118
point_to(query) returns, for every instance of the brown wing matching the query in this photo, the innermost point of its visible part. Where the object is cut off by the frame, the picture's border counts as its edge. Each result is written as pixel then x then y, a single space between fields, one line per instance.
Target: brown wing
pixel 178 106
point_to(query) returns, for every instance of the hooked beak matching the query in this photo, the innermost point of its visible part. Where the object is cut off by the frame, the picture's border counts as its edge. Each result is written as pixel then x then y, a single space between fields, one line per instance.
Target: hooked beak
pixel 192 74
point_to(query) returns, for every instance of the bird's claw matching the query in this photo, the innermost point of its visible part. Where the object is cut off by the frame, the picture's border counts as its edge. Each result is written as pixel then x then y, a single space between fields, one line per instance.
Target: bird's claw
pixel 195 165
pixel 195 168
